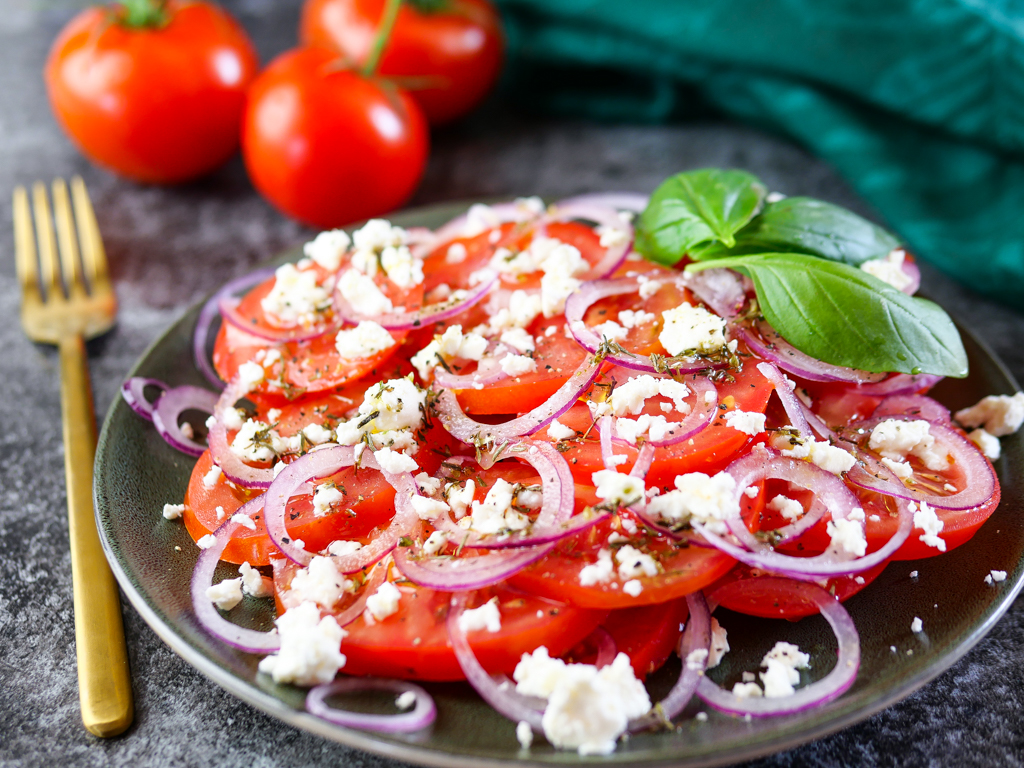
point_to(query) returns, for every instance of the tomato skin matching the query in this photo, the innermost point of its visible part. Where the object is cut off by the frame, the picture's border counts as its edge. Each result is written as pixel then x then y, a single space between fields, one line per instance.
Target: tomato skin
pixel 328 146
pixel 158 105
pixel 647 634
pixel 459 47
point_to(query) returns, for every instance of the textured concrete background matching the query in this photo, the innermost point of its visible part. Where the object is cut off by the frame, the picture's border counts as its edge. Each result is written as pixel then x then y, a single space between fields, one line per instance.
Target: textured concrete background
pixel 169 247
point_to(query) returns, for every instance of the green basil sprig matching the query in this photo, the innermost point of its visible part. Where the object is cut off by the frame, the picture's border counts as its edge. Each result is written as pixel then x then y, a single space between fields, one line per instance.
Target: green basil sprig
pixel 802 256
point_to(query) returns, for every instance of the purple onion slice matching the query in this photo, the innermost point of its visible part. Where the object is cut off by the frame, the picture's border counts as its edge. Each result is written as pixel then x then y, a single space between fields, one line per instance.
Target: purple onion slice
pixel 422 715
pixel 169 408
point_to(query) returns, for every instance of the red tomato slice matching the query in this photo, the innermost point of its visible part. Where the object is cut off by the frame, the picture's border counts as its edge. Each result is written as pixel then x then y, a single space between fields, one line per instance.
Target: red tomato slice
pixel 308 366
pixel 413 643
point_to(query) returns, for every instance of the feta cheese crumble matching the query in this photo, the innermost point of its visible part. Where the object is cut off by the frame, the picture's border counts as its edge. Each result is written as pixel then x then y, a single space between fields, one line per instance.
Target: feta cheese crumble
pixel 1000 415
pixel 889 269
pixel 495 514
pixel 310 651
pixel 225 595
pixel 173 511
pixel 916 625
pixel 599 572
pixel 327 248
pixel 486 616
pixel 253 582
pixel 699 498
pixel 746 422
pixel 319 582
pixel 382 603
pixel 524 734
pixel 365 340
pixel 558 431
pixel 691 329
pixel 825 455
pixel 895 439
pixel 617 489
pixel 987 443
pixel 295 299
pixel 928 522
pixel 633 563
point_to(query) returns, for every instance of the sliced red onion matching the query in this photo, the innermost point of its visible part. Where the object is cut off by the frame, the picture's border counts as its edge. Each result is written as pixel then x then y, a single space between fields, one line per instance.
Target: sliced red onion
pixel 169 408
pixel 762 340
pixel 634 202
pixel 236 470
pixel 455 574
pixel 912 271
pixel 134 393
pixel 500 694
pixel 899 384
pixel 604 428
pixel 789 400
pixel 817 424
pixel 466 429
pixel 208 314
pixel 403 320
pixel 228 307
pixel 829 490
pixel 206 612
pixel 914 406
pixel 603 216
pixel 323 463
pixel 696 636
pixel 375 578
pixel 723 290
pixel 488 371
pixel 422 715
pixel 576 307
pixel 830 687
pixel 606 648
pixel 979 481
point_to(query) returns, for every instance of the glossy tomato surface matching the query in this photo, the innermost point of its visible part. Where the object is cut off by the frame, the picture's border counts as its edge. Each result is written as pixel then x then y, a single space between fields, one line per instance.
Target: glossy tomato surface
pixel 328 146
pixel 158 104
pixel 449 52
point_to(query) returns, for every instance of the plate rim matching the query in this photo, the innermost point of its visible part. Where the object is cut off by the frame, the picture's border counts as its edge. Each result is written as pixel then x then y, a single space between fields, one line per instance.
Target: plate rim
pixel 422 755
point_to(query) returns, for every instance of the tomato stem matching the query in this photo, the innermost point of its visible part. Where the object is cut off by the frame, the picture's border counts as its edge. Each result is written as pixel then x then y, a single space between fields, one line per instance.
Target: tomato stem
pixel 387 23
pixel 143 13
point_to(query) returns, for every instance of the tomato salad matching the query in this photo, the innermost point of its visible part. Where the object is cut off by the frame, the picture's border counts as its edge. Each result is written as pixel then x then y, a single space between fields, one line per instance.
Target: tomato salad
pixel 513 451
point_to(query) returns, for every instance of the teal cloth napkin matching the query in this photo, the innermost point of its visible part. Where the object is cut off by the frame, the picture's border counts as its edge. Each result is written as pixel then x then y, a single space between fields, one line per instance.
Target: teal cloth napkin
pixel 918 103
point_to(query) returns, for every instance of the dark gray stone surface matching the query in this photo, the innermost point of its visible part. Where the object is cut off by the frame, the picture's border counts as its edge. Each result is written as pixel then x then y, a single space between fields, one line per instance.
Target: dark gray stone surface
pixel 168 247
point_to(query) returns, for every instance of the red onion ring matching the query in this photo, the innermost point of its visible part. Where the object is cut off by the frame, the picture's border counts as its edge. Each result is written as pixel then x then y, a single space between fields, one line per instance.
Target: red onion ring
pixel 487 372
pixel 723 290
pixel 765 342
pixel 209 313
pixel 603 216
pixel 378 573
pixel 761 464
pixel 432 313
pixel 228 307
pixel 911 270
pixel 169 408
pixel 579 302
pixel 979 478
pixel 790 403
pixel 455 574
pixel 324 463
pixel 500 694
pixel 899 384
pixel 913 406
pixel 830 687
pixel 134 393
pixel 206 612
pixel 450 413
pixel 422 715
pixel 236 470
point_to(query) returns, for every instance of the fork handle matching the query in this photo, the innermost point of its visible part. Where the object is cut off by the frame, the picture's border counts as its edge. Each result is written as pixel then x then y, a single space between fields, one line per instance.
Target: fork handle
pixel 104 687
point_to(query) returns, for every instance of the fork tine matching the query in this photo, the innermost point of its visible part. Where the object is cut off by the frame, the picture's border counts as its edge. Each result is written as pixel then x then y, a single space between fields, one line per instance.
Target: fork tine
pixel 25 247
pixel 94 258
pixel 47 244
pixel 66 237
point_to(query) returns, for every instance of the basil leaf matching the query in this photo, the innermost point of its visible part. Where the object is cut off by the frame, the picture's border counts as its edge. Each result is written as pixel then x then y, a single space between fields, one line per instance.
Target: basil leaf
pixel 696 207
pixel 844 316
pixel 805 225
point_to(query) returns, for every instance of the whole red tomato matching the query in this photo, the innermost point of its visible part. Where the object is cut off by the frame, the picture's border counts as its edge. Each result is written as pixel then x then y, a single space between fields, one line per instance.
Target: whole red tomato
pixel 327 145
pixel 453 47
pixel 158 102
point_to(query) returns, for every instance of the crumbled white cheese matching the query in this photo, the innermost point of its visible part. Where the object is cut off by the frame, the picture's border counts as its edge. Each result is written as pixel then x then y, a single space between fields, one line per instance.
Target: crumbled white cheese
pixel 324 497
pixel 363 294
pixel 225 595
pixel 256 441
pixel 327 248
pixel 451 344
pixel 901 469
pixel 588 708
pixel 310 651
pixel 479 219
pixel 405 700
pixel 648 287
pixel 212 477
pixel 696 659
pixel 495 514
pixel 618 489
pixel 691 329
pixel 889 269
pixel 1000 415
pixel 927 521
pixel 827 456
pixel 633 588
pixel 747 691
pixel 460 496
pixel 456 253
pixel 895 439
pixel 789 508
pixel 173 511
pixel 244 520
pixel 295 299
pixel 377 234
pixel 916 625
pixel 401 267
pixel 599 572
pixel 995 576
pixel 630 318
pixel 394 462
pixel 558 431
pixel 518 339
pixel 746 422
pixel 206 541
pixel 630 396
pixel 365 340
pixel 319 582
pixel 517 365
pixel 611 237
pixel 848 534
pixel 341 547
pixel 398 405
pixel 435 542
pixel 487 616
pixel 699 498
pixel 987 443
pixel 524 734
pixel 427 508
pixel 382 603
pixel 250 375
pixel 633 563
pixel 253 582
pixel 610 330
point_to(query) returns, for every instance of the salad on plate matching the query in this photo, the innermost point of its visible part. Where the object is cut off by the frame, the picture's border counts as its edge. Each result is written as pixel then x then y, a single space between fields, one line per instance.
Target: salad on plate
pixel 537 448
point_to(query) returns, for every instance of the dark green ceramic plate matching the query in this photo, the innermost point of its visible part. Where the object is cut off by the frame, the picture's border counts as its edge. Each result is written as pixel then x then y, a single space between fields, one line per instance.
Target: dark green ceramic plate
pixel 136 473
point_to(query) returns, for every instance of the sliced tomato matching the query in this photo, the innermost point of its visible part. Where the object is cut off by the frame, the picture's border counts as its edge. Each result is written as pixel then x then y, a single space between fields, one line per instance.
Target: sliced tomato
pixel 709 452
pixel 768 603
pixel 647 634
pixel 413 643
pixel 308 366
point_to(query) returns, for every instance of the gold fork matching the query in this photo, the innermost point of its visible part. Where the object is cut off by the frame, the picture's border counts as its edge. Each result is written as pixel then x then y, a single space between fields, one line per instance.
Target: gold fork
pixel 67 299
